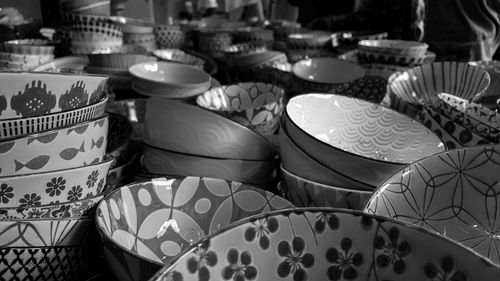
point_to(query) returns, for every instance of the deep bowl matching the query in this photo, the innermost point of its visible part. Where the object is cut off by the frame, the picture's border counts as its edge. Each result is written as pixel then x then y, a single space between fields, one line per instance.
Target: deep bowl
pixel 169 36
pixel 348 135
pixel 33 94
pixel 170 80
pixel 147 224
pixel 201 132
pixel 453 193
pixel 67 147
pixel 326 244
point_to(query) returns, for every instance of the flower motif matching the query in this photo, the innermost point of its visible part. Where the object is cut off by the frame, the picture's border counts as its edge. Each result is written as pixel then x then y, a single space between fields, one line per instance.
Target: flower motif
pixel 6 193
pixel 89 195
pixel 30 200
pixel 239 268
pixel 324 219
pixel 295 259
pixel 36 213
pixel 55 186
pixel 62 212
pixel 447 271
pixel 75 193
pixel 205 258
pixel 392 252
pixel 345 262
pixel 261 228
pixel 92 179
pixel 100 186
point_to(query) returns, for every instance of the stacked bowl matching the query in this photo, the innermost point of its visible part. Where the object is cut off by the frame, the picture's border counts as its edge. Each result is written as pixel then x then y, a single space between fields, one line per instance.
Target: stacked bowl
pixel 185 140
pixel 169 36
pixel 25 54
pixel 53 170
pixel 326 140
pixel 138 32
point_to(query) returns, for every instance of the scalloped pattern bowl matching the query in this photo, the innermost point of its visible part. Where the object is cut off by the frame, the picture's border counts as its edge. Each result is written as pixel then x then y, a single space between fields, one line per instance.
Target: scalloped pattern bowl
pixel 147 224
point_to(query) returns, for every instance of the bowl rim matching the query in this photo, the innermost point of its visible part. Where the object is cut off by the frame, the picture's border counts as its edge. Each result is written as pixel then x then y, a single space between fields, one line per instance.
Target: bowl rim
pixel 329 60
pixel 394 44
pixel 134 72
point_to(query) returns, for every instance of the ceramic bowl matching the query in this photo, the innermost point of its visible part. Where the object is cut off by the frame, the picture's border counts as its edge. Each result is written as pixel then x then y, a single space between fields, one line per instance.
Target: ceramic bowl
pixel 442 194
pixel 69 64
pixel 351 37
pixel 169 36
pixel 61 185
pixel 170 80
pixel 35 94
pixel 394 47
pixel 326 244
pixel 94 31
pixel 132 109
pixel 118 61
pixel 493 69
pixel 27 47
pixel 369 56
pixel 475 110
pixel 242 63
pixel 213 42
pixel 91 7
pixel 209 66
pixel 20 66
pixel 201 132
pixel 26 59
pixel 421 84
pixel 427 119
pixel 145 225
pixel 68 147
pixel 120 133
pixel 250 104
pixel 69 209
pixel 124 173
pixel 254 35
pixel 176 55
pixel 309 39
pixel 165 162
pixel 305 193
pixel 348 134
pixel 16 127
pixel 241 49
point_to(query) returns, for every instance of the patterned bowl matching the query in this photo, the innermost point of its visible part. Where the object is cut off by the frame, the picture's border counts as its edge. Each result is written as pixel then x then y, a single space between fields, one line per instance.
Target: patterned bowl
pixel 201 132
pixel 165 162
pixel 254 35
pixel 120 132
pixel 69 64
pixel 308 39
pixel 251 104
pixel 326 244
pixel 16 127
pixel 305 193
pixel 369 56
pixel 452 193
pixel 213 42
pixel 421 84
pixel 26 59
pixel 28 47
pixel 67 147
pixel 176 55
pixel 427 119
pixel 54 186
pixel 132 109
pixel 147 224
pixel 348 134
pixel 35 94
pixel 170 80
pixel 493 69
pixel 393 47
pixel 94 31
pixel 169 36
pixel 118 61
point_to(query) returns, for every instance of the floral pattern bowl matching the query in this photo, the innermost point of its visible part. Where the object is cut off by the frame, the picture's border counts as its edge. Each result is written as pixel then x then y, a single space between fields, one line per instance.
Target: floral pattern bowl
pixel 326 244
pixel 67 147
pixel 453 193
pixel 250 104
pixel 147 224
pixel 35 94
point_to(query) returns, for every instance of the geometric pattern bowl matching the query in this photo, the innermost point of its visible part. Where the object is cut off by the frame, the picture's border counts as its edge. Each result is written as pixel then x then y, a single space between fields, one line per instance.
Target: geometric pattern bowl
pixel 63 148
pixel 326 244
pixel 454 193
pixel 152 222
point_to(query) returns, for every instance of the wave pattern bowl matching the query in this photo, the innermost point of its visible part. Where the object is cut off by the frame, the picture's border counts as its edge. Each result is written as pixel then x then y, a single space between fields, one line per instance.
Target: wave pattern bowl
pixel 326 244
pixel 454 193
pixel 147 224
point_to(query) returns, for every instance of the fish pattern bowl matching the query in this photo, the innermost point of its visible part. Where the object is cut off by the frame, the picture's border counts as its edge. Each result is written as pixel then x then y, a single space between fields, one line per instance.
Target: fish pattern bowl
pixel 146 224
pixel 326 244
pixel 454 193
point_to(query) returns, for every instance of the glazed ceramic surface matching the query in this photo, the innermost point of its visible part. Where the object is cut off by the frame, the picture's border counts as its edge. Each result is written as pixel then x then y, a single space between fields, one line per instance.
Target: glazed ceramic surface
pixel 169 80
pixel 70 209
pixel 10 128
pixel 118 61
pixel 151 222
pixel 120 132
pixel 55 186
pixel 327 70
pixel 394 47
pixel 321 244
pixel 427 119
pixel 493 69
pixel 27 46
pixel 35 94
pixel 454 193
pixel 132 109
pixel 163 162
pixel 169 36
pixel 305 193
pixel 68 147
pixel 176 55
pixel 69 64
pixel 421 84
pixel 346 134
pixel 200 132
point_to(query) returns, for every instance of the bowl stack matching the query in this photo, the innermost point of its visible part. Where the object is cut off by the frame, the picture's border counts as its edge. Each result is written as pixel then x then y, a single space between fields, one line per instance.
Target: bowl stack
pixel 182 139
pixel 326 140
pixel 25 54
pixel 138 32
pixel 52 172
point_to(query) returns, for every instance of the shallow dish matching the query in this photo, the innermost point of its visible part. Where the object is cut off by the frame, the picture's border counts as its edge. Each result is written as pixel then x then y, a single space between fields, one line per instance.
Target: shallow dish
pixel 442 193
pixel 327 70
pixel 176 55
pixel 67 147
pixel 133 220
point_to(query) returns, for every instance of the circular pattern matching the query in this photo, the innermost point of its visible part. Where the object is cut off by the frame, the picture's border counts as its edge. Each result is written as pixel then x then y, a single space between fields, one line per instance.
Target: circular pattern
pixel 202 206
pixel 170 248
pixel 144 197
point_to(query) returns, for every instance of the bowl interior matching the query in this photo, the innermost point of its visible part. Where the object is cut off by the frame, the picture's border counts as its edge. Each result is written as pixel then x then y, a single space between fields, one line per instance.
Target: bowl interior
pixel 362 128
pixel 158 219
pixel 327 70
pixel 169 73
